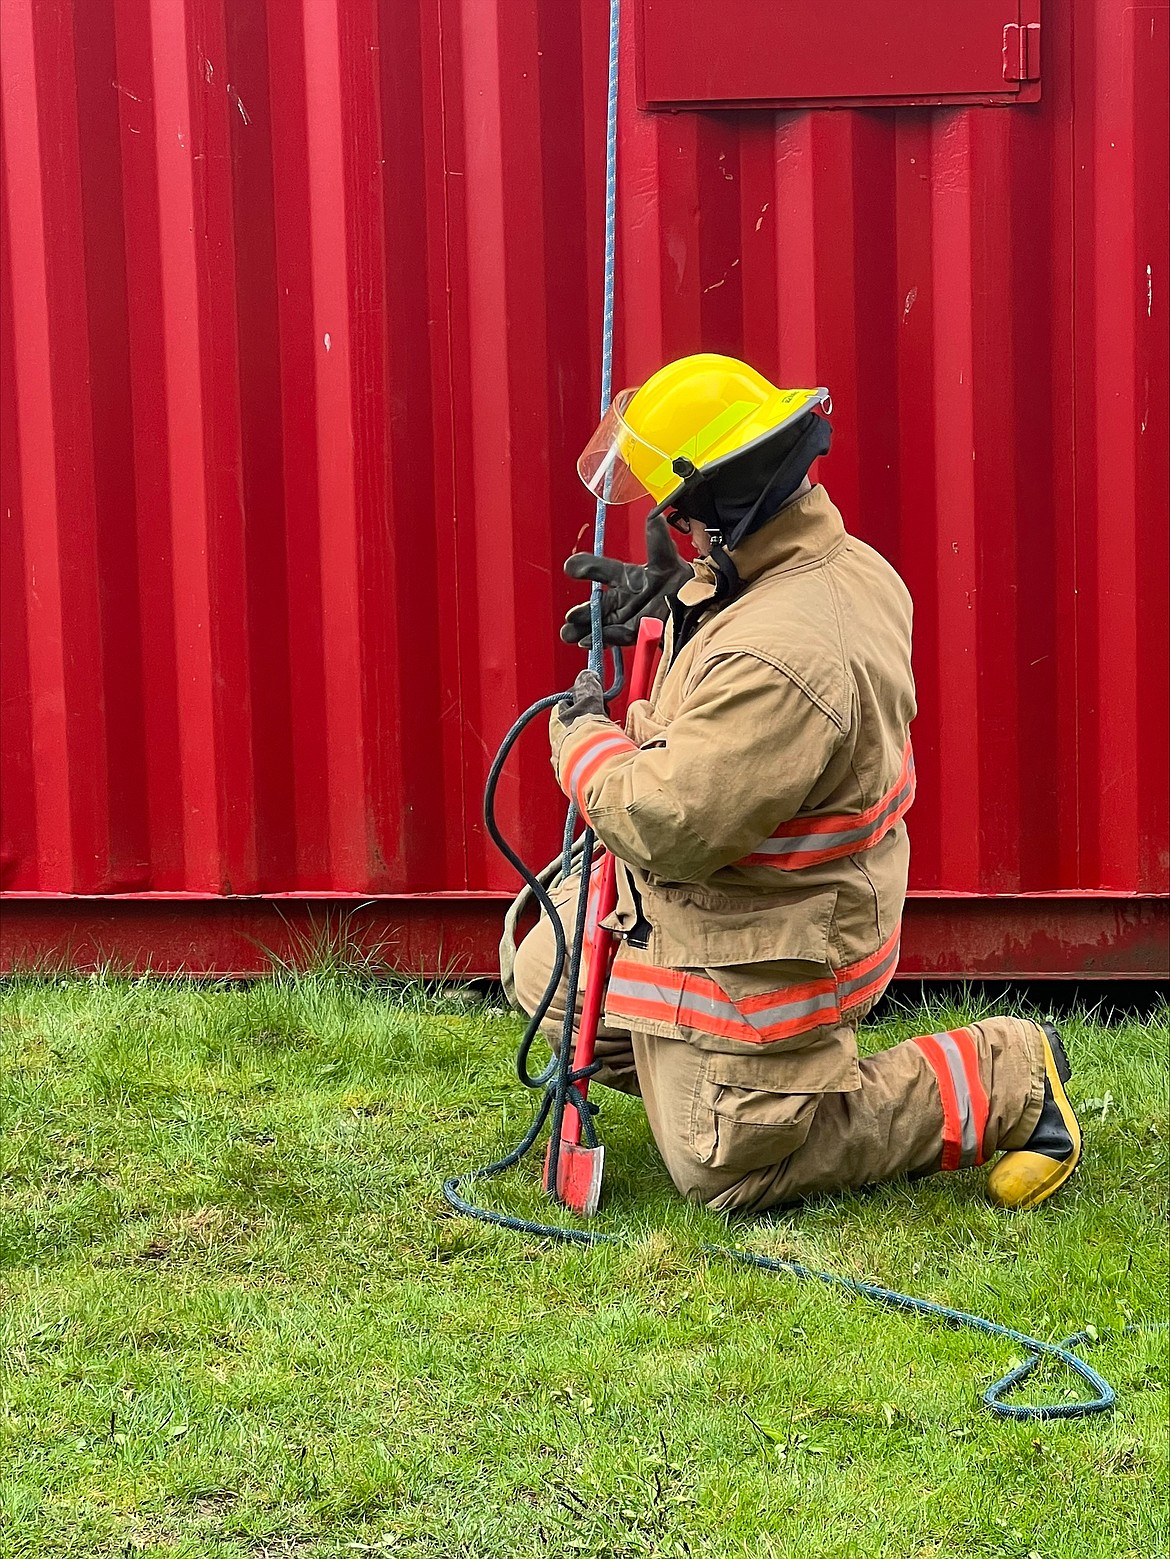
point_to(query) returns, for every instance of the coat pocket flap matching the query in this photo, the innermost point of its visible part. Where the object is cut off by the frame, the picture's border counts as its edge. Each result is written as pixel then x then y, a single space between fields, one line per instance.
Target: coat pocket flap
pixel 826 1063
pixel 701 929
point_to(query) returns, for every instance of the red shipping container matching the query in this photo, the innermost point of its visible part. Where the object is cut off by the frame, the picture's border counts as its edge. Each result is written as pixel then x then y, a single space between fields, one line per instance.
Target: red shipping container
pixel 300 319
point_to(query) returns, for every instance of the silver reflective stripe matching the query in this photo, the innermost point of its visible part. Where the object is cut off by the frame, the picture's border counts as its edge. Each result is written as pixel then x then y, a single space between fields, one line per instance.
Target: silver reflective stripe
pixel 692 1006
pixel 824 1003
pixel 611 743
pixel 695 1005
pixel 808 844
pixel 879 972
pixel 642 990
pixel 969 1147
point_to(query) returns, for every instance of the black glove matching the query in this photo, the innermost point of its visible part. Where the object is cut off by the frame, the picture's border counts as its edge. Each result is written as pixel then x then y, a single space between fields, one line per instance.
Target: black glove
pixel 632 591
pixel 588 698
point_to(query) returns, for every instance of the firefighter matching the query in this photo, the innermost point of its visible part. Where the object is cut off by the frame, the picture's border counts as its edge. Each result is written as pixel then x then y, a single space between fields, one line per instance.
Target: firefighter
pixel 756 806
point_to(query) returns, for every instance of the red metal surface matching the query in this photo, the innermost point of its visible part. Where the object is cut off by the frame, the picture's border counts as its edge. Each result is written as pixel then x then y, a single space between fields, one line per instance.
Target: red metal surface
pixel 1025 937
pixel 213 936
pixel 299 317
pixel 773 53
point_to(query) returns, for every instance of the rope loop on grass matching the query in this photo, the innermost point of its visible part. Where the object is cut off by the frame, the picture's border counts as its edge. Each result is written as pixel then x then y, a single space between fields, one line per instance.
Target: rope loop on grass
pixel 1102 1401
pixel 1104 1397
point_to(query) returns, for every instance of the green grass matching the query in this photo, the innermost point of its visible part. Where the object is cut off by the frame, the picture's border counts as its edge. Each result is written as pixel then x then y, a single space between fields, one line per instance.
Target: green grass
pixel 238 1320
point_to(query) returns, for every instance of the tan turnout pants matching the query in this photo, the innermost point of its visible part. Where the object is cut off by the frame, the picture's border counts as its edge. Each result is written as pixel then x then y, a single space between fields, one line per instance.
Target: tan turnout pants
pixel 735 1144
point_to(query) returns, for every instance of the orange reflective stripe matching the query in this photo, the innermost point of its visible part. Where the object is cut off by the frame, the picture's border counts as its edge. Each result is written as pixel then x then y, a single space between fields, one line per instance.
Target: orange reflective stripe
pixel 980 1105
pixel 964 1101
pixel 766 1000
pixel 810 841
pixel 868 978
pixel 952 1132
pixel 581 763
pixel 827 825
pixel 675 996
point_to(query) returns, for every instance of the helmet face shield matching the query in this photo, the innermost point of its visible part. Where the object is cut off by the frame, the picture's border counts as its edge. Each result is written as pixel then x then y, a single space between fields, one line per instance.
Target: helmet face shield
pixel 609 463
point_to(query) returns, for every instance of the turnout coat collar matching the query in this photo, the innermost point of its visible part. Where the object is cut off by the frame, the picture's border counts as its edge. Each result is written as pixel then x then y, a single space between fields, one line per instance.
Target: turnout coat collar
pixel 804 533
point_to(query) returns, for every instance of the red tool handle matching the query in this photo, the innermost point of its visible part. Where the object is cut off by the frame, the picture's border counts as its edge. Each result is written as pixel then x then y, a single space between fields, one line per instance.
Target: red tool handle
pixel 603 897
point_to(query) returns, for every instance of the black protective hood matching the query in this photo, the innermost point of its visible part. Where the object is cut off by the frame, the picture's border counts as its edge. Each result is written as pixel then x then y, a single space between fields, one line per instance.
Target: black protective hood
pixel 734 496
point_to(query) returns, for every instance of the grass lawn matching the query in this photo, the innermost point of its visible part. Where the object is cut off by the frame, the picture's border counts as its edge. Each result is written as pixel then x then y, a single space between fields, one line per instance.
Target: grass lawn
pixel 237 1319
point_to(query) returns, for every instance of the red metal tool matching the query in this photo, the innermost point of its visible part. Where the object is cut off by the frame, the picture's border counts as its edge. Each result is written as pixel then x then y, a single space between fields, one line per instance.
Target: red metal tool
pixel 579 1169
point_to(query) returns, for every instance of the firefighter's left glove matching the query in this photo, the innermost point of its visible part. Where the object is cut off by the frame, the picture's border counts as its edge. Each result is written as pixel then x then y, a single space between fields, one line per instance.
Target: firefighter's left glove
pixel 632 590
pixel 587 698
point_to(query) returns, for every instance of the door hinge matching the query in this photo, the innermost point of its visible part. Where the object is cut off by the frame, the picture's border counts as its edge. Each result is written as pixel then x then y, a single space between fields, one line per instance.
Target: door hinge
pixel 1021 52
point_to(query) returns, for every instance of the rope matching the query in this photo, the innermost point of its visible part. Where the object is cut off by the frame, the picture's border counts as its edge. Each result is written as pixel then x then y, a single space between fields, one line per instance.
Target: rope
pixel 559 1080
pixel 565 1080
pixel 1103 1400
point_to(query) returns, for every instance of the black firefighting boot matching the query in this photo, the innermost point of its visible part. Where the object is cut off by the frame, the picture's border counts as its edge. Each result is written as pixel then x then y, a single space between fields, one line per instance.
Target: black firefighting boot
pixel 1029 1175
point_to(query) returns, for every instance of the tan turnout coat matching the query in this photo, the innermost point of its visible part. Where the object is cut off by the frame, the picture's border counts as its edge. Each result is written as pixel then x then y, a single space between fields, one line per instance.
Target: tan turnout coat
pixel 756 800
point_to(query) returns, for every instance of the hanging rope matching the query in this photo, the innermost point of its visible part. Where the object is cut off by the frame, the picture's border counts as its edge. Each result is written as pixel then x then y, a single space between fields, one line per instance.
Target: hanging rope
pixel 565 1082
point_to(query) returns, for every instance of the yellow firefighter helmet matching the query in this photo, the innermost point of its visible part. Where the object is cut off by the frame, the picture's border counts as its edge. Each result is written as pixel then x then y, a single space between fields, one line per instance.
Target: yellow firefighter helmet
pixel 689 416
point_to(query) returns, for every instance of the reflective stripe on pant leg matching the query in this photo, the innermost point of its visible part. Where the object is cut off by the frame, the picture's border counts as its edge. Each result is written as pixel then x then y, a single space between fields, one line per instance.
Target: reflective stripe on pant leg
pixel 964 1102
pixel 980 1104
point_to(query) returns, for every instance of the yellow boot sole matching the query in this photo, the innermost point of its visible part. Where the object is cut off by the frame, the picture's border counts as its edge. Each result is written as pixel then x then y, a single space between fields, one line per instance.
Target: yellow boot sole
pixel 1022 1179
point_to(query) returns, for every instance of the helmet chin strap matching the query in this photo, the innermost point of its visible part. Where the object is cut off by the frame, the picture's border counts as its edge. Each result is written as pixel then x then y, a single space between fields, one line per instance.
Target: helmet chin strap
pixel 728 583
pixel 695 500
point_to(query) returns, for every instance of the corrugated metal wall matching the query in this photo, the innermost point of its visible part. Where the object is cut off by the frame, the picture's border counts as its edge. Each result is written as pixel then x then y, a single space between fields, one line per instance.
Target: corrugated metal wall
pixel 985 292
pixel 300 316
